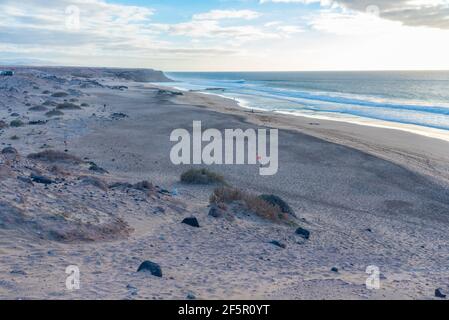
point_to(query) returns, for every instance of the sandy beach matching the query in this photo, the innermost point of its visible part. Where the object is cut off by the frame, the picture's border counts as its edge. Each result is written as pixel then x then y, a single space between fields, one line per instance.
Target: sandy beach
pixel 369 196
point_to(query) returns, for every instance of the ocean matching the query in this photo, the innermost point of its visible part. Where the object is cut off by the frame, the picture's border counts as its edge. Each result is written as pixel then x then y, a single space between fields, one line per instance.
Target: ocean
pixel 418 98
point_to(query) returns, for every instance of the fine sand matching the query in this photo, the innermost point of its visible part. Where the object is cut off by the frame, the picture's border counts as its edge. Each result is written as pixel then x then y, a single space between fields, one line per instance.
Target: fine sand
pixel 369 197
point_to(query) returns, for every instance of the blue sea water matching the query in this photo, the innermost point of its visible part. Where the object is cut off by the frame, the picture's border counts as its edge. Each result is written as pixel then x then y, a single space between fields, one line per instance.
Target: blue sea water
pixel 408 97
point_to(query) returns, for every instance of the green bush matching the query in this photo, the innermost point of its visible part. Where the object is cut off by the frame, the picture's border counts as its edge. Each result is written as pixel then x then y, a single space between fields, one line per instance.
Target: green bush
pixel 201 176
pixel 16 123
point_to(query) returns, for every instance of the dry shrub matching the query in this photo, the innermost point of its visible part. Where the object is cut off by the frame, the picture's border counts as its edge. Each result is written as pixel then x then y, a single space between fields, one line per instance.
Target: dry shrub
pixel 201 176
pixel 55 156
pixel 68 106
pixel 253 203
pixel 59 94
pixel 226 195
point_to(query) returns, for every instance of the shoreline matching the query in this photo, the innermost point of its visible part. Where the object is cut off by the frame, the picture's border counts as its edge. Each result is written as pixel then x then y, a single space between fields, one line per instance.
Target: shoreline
pixel 403 146
pixel 429 132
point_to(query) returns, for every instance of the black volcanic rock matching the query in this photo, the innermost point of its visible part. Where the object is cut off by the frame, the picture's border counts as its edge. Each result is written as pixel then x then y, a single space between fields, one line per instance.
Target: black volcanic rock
pixel 151 267
pixel 192 221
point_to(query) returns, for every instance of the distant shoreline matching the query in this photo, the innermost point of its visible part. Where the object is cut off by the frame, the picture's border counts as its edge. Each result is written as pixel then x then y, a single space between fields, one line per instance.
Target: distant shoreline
pixel 410 128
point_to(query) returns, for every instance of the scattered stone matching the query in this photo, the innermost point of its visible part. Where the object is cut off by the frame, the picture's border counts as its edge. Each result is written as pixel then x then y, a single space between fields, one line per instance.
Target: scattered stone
pixel 334 269
pixel 192 221
pixel 133 290
pixel 37 122
pixel 439 293
pixel 368 230
pixel 277 201
pixel 303 233
pixel 191 296
pixel 153 268
pixel 25 180
pixel 278 244
pixel 18 272
pixel 119 115
pixel 41 179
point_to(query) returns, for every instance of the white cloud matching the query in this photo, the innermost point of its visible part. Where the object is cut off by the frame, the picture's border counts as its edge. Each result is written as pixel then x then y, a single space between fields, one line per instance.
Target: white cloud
pixel 227 14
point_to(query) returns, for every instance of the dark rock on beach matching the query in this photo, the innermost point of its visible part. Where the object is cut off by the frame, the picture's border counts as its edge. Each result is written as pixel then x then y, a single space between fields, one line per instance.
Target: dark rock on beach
pixel 153 268
pixel 192 221
pixel 37 122
pixel 41 179
pixel 278 244
pixel 303 233
pixel 119 115
pixel 439 293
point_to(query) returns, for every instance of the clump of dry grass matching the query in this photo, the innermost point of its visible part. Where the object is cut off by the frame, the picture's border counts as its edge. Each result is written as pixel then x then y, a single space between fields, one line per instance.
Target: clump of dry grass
pixel 201 176
pixel 55 156
pixel 60 94
pixel 253 203
pixel 54 113
pixel 68 106
pixel 16 123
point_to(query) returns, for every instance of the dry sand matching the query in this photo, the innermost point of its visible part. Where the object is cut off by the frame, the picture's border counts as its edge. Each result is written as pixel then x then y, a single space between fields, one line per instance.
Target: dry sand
pixel 369 196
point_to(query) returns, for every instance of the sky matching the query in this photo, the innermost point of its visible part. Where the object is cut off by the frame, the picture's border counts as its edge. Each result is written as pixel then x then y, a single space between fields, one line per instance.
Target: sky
pixel 228 35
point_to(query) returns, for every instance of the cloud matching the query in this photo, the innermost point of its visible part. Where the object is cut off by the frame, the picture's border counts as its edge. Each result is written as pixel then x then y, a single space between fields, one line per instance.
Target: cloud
pixel 427 13
pixel 106 33
pixel 227 14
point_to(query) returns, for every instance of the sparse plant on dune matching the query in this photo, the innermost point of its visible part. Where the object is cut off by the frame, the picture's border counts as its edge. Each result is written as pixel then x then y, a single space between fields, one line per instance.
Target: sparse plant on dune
pixel 253 203
pixel 201 176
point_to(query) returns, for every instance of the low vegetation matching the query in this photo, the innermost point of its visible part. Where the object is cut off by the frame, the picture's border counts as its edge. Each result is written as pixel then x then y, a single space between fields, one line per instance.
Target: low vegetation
pixel 68 106
pixel 201 176
pixel 38 108
pixel 55 156
pixel 254 204
pixel 54 113
pixel 16 123
pixel 60 94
